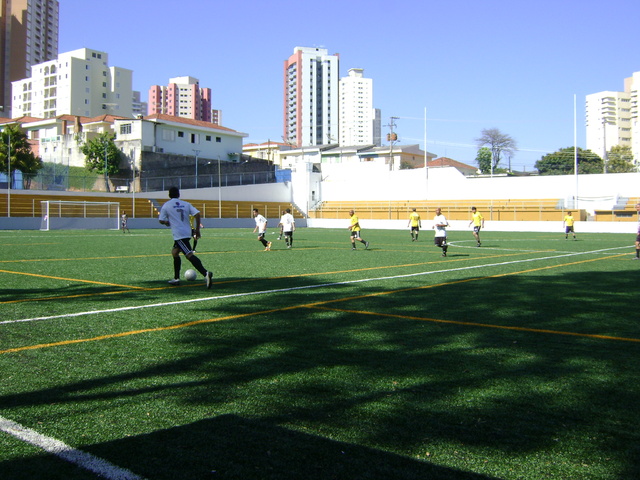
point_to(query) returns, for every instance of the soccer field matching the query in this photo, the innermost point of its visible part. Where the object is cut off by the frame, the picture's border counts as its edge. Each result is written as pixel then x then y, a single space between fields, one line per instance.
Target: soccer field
pixel 515 360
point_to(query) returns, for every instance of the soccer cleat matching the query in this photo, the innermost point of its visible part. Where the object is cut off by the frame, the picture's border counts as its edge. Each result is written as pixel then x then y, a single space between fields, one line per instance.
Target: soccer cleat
pixel 209 278
pixel 280 237
pixel 444 254
pixel 478 244
pixel 366 245
pixel 174 281
pixel 353 248
pixel 635 258
pixel 268 247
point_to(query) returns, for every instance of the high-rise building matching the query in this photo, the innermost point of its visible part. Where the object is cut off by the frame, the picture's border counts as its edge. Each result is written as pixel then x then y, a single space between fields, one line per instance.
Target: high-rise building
pixel 311 96
pixel 612 119
pixel 28 36
pixel 138 107
pixel 357 115
pixel 79 82
pixel 183 97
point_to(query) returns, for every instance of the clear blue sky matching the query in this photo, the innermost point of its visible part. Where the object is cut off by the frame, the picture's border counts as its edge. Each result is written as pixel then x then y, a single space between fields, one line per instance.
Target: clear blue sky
pixel 507 64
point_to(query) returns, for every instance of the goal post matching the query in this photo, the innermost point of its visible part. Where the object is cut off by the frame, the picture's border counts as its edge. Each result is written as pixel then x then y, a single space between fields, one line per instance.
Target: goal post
pixel 79 215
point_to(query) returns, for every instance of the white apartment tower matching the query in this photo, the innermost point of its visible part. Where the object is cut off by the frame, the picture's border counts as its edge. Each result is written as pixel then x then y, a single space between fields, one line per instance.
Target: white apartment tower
pixel 311 96
pixel 79 82
pixel 612 119
pixel 357 114
pixel 28 35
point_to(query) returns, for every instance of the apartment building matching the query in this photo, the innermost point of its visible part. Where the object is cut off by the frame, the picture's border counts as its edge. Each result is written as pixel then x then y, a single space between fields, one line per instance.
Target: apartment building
pixel 357 115
pixel 311 97
pixel 138 107
pixel 79 82
pixel 28 36
pixel 182 97
pixel 612 119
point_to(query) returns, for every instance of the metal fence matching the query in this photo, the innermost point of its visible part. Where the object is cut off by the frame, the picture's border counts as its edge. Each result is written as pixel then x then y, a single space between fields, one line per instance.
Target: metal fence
pixel 62 181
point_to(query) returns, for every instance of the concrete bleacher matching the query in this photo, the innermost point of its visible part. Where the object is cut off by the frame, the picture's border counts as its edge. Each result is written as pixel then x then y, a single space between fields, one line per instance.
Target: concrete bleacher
pixel 626 213
pixel 27 204
pixel 540 209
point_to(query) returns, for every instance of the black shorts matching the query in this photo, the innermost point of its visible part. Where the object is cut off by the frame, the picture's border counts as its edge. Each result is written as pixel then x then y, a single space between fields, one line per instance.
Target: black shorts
pixel 440 241
pixel 184 245
pixel 355 234
pixel 638 238
pixel 288 234
pixel 568 229
pixel 476 229
pixel 415 229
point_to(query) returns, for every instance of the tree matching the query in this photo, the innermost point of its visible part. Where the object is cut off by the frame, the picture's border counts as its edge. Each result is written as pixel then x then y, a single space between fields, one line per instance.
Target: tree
pixel 562 162
pixel 102 152
pixel 483 159
pixel 499 144
pixel 22 158
pixel 620 160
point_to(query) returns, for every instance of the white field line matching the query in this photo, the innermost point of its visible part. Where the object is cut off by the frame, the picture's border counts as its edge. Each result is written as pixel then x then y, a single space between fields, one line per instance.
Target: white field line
pixel 291 289
pixel 60 449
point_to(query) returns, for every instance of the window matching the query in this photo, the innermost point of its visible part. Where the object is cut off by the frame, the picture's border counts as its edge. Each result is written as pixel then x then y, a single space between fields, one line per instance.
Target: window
pixel 180 134
pixel 195 138
pixel 207 138
pixel 218 139
pixel 125 128
pixel 169 135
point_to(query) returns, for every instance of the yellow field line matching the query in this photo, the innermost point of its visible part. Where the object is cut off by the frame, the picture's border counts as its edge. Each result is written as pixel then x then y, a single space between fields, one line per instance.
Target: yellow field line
pixel 473 324
pixel 318 305
pixel 138 332
pixel 70 280
pixel 80 295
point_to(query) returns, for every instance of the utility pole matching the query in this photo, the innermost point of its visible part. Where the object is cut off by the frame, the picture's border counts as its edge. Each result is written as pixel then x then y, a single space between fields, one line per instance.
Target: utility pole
pixel 604 143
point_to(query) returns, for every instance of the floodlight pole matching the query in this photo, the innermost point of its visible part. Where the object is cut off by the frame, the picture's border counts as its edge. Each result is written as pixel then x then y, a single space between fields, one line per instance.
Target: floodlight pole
pixel 219 191
pixel 197 153
pixel 106 175
pixel 8 171
pixel 9 178
pixel 133 183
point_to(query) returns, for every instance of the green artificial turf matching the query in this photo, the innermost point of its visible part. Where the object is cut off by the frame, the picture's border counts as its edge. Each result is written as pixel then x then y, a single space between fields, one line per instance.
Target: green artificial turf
pixel 515 360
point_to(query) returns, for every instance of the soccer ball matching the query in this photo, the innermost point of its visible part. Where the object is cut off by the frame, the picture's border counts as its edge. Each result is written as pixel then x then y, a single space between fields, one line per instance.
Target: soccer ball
pixel 190 275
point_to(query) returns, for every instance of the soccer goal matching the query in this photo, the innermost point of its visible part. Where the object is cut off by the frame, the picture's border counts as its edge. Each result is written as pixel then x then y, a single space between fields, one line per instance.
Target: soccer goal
pixel 70 215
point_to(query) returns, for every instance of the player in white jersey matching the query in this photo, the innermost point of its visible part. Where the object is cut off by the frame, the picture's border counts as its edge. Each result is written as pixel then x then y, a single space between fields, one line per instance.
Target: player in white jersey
pixel 288 226
pixel 440 225
pixel 175 214
pixel 261 228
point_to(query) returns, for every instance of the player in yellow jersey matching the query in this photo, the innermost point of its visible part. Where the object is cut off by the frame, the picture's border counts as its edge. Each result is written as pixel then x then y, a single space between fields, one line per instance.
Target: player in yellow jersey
pixel 568 224
pixel 354 228
pixel 415 224
pixel 478 223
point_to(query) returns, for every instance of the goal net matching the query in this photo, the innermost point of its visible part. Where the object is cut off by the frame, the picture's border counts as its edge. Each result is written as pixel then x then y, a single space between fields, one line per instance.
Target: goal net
pixel 69 215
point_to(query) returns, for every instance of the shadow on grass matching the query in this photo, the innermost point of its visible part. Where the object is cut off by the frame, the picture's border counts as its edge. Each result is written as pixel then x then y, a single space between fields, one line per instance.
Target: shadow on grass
pixel 237 448
pixel 380 377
